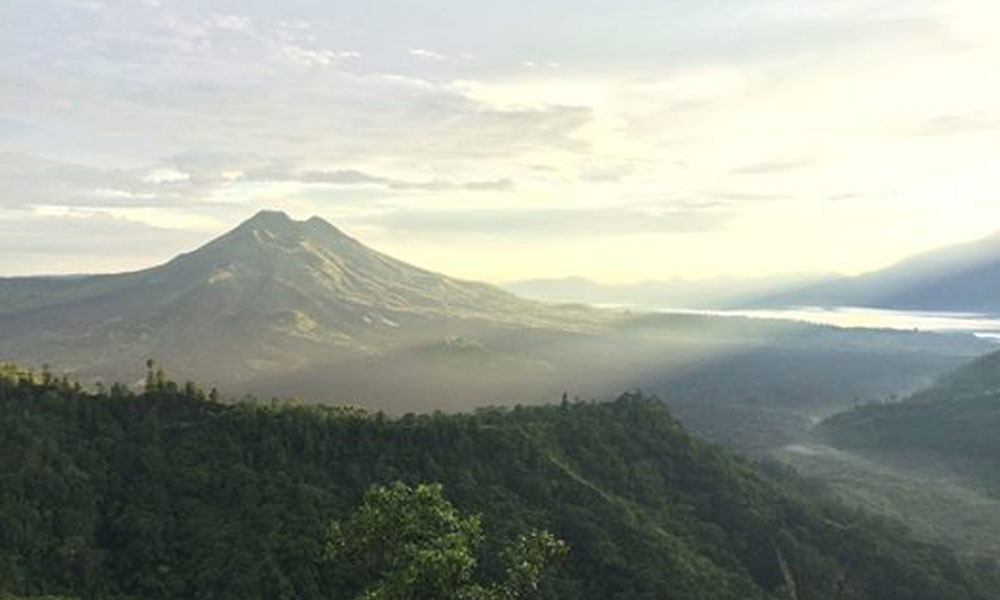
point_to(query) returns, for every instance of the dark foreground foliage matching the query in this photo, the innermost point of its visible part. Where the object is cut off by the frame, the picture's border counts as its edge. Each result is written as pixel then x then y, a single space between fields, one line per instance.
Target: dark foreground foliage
pixel 167 494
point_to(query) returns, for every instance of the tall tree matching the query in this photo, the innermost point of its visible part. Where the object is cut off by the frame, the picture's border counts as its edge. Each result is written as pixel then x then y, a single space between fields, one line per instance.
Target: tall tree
pixel 409 543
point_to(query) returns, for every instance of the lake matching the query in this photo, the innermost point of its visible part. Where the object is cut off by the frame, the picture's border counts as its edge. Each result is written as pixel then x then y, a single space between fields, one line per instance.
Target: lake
pixel 850 316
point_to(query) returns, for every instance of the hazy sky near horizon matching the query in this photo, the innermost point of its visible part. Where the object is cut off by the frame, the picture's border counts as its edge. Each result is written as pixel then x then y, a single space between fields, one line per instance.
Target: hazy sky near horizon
pixel 618 140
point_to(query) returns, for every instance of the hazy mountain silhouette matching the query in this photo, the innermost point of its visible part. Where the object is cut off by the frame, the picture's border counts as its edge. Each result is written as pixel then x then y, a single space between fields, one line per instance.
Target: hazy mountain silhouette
pixel 961 278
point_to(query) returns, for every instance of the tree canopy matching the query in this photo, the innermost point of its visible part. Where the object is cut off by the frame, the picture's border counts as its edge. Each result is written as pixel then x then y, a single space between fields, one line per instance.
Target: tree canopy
pixel 409 542
pixel 165 494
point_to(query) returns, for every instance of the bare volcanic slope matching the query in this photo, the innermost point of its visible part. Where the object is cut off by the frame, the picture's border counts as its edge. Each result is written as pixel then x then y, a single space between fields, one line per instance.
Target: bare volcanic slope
pixel 271 295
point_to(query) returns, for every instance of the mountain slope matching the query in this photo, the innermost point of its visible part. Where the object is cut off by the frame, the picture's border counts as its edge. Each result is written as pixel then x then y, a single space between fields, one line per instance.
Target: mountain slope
pixel 949 429
pixel 271 294
pixel 164 495
pixel 962 278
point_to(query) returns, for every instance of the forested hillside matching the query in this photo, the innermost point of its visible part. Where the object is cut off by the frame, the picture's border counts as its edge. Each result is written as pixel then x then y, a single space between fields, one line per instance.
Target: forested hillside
pixel 950 428
pixel 170 494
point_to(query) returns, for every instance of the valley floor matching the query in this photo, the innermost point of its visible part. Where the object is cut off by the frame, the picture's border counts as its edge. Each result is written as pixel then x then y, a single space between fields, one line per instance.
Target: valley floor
pixel 937 509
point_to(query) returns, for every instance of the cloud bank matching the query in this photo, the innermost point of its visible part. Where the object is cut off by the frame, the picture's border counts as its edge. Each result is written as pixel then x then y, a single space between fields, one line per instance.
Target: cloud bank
pixel 531 131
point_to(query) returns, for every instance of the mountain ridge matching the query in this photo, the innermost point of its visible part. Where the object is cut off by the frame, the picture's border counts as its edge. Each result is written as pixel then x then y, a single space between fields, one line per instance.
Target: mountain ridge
pixel 958 278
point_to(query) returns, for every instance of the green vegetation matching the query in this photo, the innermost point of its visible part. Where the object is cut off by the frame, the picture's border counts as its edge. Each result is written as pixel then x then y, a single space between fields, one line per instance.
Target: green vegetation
pixel 949 429
pixel 9 597
pixel 937 510
pixel 167 494
pixel 408 542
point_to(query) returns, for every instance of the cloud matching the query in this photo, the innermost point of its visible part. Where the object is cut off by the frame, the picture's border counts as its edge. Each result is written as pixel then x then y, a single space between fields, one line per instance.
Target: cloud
pixel 275 105
pixel 743 197
pixel 580 221
pixel 33 181
pixel 494 185
pixel 202 28
pixel 75 242
pixel 289 111
pixel 426 54
pixel 322 57
pixel 355 177
pixel 773 166
pixel 955 124
pixel 165 176
pixel 209 188
pixel 88 5
pixel 608 173
pixel 531 64
pixel 188 29
pixel 230 22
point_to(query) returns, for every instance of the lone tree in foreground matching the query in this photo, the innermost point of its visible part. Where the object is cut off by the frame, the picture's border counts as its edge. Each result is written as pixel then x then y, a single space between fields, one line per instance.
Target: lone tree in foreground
pixel 410 543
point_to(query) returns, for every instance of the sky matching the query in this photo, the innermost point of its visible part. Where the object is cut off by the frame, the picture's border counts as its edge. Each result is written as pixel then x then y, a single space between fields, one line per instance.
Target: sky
pixel 619 140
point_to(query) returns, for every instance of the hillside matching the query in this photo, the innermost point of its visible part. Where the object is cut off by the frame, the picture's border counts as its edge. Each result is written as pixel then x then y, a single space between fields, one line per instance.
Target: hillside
pixel 168 495
pixel 961 278
pixel 949 429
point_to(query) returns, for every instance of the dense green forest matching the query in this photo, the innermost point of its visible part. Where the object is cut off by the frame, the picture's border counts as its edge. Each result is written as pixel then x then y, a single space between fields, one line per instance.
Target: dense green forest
pixel 950 428
pixel 171 494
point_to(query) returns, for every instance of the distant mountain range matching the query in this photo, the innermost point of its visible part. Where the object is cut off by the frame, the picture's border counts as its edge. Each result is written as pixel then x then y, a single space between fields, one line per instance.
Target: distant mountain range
pixel 961 278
